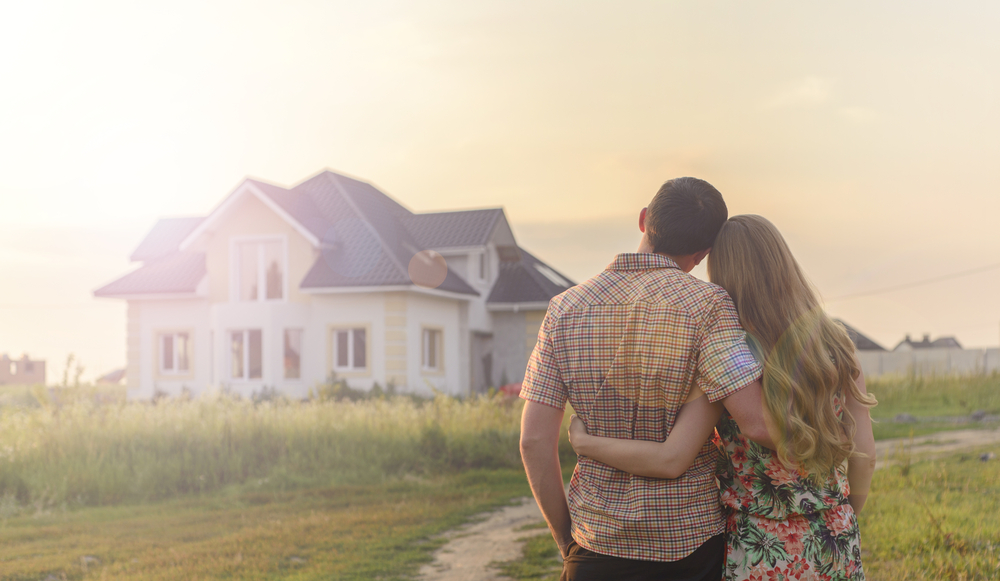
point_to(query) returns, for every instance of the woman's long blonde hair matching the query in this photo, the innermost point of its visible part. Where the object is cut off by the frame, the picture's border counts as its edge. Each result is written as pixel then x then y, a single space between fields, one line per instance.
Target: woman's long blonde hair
pixel 808 358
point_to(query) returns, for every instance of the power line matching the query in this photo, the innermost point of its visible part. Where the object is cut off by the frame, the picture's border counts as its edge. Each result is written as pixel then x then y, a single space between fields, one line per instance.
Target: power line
pixel 917 283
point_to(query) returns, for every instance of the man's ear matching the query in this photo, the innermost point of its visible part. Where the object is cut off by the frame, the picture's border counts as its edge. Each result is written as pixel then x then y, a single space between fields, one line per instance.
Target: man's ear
pixel 699 256
pixel 642 220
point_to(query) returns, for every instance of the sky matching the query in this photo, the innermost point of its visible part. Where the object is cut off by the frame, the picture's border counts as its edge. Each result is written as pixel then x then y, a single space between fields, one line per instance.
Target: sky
pixel 865 131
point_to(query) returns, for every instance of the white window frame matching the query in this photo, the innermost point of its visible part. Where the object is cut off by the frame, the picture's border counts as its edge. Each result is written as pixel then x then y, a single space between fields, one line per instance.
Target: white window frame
pixel 284 347
pixel 161 338
pixel 246 355
pixel 438 334
pixel 234 271
pixel 351 330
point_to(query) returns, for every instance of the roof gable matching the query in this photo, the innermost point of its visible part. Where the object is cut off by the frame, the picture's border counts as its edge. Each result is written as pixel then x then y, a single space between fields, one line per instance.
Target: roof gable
pixel 273 198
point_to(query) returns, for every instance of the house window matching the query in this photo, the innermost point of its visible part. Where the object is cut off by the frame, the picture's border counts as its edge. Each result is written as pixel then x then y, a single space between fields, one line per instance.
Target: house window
pixel 484 266
pixel 175 353
pixel 293 353
pixel 245 354
pixel 260 267
pixel 350 349
pixel 430 350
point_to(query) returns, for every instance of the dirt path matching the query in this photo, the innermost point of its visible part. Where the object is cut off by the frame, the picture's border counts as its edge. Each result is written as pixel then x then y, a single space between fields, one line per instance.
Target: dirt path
pixel 934 445
pixel 466 557
pixel 471 548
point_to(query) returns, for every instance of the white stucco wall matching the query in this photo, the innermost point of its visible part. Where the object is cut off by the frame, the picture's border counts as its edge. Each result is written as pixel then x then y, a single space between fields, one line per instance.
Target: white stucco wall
pixel 446 314
pixel 337 310
pixel 513 341
pixel 927 362
pixel 466 265
pixel 272 318
pixel 164 316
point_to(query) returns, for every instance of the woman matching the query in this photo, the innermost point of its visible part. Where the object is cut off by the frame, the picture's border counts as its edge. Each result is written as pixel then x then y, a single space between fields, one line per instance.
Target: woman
pixel 791 511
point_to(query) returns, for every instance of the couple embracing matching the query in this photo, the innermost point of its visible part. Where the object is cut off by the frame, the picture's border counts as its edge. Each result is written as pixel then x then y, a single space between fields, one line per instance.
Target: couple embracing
pixel 653 360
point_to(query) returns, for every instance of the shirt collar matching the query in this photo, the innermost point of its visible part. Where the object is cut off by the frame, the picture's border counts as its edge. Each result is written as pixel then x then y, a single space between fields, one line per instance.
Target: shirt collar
pixel 641 261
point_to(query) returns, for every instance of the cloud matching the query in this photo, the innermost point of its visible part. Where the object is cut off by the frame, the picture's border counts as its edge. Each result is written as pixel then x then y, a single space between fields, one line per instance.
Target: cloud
pixel 806 92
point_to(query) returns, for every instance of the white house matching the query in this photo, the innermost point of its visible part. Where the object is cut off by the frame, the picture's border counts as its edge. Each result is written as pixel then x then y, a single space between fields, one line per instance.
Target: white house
pixel 281 287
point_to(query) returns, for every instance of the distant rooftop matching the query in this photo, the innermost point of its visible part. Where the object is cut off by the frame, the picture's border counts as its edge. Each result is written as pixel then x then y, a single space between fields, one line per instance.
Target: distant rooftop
pixel 861 342
pixel 926 343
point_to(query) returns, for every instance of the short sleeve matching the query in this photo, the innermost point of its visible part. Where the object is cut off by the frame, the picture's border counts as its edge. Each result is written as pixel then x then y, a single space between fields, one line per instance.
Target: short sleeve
pixel 725 362
pixel 543 382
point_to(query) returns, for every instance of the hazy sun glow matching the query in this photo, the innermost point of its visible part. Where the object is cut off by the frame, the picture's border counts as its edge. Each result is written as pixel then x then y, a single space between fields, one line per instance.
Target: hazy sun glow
pixel 864 131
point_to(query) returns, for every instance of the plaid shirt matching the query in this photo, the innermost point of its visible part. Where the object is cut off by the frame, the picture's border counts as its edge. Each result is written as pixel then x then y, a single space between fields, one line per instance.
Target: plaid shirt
pixel 625 348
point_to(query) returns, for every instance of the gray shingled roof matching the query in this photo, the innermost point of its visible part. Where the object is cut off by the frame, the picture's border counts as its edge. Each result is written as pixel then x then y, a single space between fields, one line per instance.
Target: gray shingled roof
pixel 861 342
pixel 453 229
pixel 299 206
pixel 367 239
pixel 178 273
pixel 165 237
pixel 365 242
pixel 363 235
pixel 950 342
pixel 926 343
pixel 523 281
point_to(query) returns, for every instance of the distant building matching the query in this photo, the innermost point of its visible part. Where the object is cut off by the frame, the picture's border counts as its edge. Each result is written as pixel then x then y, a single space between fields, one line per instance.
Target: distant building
pixel 116 377
pixel 282 287
pixel 861 342
pixel 926 358
pixel 909 344
pixel 23 371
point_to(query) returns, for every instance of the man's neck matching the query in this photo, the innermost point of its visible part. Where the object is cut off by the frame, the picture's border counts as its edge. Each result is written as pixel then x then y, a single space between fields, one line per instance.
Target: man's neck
pixel 685 263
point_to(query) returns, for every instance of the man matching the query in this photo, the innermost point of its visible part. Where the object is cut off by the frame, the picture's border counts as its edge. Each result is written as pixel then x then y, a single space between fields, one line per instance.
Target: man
pixel 625 348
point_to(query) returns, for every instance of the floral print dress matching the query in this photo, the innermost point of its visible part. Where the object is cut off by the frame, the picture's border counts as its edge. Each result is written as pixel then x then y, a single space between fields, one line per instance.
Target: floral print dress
pixel 781 525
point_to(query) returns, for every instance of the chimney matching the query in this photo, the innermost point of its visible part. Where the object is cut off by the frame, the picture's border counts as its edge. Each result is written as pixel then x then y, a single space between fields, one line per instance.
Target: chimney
pixel 927 337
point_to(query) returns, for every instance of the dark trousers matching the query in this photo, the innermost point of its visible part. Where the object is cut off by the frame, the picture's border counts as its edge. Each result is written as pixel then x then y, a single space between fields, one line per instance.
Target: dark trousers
pixel 704 564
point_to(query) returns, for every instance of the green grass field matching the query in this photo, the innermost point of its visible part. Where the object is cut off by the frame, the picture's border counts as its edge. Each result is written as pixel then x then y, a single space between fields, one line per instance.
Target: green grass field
pixel 92 487
pixel 382 531
pixel 926 398
pixel 933 521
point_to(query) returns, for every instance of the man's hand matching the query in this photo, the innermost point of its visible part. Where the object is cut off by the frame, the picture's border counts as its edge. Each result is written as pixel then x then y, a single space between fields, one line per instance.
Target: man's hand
pixel 747 408
pixel 540 428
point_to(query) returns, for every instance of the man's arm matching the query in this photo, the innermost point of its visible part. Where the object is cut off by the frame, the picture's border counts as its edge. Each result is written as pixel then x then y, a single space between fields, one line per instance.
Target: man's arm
pixel 747 408
pixel 540 428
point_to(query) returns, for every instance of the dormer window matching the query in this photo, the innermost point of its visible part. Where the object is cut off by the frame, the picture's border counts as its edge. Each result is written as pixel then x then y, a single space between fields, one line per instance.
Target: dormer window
pixel 260 270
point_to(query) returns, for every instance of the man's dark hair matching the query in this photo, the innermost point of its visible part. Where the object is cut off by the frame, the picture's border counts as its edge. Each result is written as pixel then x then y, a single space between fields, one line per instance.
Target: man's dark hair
pixel 685 216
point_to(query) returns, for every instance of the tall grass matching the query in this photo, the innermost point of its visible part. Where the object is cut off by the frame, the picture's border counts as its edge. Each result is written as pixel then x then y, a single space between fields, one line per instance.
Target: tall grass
pixel 934 521
pixel 935 396
pixel 84 453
